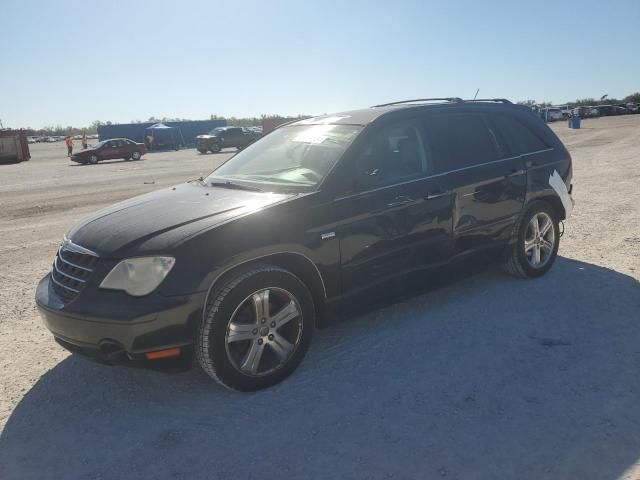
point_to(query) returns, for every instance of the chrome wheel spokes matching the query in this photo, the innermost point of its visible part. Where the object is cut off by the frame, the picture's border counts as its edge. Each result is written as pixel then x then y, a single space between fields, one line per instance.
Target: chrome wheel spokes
pixel 264 331
pixel 539 240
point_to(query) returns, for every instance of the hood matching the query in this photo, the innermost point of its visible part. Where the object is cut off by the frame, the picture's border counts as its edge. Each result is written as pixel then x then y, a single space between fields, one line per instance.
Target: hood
pixel 84 153
pixel 155 221
pixel 206 136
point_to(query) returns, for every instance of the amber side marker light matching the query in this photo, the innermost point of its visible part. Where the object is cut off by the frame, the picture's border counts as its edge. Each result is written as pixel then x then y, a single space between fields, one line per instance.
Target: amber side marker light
pixel 171 352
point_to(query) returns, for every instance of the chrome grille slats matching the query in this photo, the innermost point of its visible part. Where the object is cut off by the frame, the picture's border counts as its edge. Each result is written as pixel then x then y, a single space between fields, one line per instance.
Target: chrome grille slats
pixel 72 268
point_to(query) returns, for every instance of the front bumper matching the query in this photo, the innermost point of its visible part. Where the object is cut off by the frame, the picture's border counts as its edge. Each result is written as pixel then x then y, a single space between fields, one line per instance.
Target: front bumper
pixel 173 323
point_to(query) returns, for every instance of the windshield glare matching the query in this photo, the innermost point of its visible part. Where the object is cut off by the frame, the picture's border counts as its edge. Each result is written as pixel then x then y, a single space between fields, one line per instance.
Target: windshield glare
pixel 297 156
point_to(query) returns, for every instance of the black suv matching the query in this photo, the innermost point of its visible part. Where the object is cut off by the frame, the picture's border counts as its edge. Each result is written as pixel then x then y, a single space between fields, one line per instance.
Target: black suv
pixel 225 137
pixel 238 267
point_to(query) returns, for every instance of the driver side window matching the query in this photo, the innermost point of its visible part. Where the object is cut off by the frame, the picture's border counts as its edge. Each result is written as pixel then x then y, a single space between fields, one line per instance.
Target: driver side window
pixel 393 153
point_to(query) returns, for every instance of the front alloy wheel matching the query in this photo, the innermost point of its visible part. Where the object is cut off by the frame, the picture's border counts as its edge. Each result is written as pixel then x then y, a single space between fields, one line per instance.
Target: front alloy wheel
pixel 257 327
pixel 264 331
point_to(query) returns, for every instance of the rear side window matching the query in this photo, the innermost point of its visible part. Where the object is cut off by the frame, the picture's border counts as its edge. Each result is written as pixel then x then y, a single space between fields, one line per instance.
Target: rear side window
pixel 516 135
pixel 460 140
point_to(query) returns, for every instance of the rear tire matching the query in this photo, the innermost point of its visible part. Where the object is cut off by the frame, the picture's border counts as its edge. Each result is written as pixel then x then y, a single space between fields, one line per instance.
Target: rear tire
pixel 248 339
pixel 536 247
pixel 136 156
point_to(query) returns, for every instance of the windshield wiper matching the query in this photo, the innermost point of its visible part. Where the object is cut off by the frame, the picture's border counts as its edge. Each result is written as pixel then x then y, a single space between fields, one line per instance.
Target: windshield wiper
pixel 237 186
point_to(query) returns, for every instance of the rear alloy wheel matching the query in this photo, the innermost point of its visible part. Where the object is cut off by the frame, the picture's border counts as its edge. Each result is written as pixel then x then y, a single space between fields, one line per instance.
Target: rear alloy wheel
pixel 537 244
pixel 216 147
pixel 257 328
pixel 93 159
pixel 136 155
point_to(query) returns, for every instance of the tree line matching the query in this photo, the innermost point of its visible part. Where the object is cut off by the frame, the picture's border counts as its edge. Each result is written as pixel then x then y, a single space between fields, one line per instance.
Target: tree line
pixel 580 102
pixel 59 130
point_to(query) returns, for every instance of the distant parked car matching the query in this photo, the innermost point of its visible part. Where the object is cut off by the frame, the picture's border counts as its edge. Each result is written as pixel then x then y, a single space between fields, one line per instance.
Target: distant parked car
pixel 606 110
pixel 223 137
pixel 552 114
pixel 110 149
pixel 566 111
pixel 633 107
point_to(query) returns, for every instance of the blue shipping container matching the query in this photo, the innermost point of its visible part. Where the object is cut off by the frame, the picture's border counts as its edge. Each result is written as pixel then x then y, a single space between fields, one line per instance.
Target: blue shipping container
pixel 135 131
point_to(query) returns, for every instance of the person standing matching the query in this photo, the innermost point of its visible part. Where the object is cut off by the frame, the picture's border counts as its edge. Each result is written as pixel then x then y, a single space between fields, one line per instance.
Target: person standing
pixel 84 141
pixel 69 142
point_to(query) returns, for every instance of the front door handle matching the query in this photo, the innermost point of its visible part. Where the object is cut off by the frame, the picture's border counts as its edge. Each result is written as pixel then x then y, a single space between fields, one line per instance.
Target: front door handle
pixel 399 200
pixel 437 194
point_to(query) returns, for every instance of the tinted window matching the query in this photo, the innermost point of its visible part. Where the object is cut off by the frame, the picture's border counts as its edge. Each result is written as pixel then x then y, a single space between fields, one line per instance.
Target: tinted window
pixel 390 154
pixel 518 138
pixel 459 141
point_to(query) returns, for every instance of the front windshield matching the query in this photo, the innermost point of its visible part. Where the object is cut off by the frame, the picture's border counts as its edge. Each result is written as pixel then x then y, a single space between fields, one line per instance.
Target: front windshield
pixel 295 157
pixel 216 131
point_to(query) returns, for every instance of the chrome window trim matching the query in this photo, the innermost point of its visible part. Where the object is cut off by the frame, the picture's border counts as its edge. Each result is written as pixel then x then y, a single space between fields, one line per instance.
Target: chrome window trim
pixel 455 170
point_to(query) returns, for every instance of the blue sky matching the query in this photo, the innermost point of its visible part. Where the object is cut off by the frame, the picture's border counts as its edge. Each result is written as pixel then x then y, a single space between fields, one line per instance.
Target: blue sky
pixel 72 62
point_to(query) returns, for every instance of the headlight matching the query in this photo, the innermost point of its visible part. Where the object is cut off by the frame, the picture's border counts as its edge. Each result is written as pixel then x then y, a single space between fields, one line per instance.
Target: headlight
pixel 138 276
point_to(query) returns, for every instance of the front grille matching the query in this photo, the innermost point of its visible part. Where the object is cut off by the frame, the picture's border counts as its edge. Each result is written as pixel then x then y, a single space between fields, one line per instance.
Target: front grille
pixel 71 270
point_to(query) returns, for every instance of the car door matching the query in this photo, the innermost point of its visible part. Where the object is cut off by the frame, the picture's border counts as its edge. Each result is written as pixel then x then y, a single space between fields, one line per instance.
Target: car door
pixel 394 215
pixel 109 150
pixel 231 137
pixel 488 183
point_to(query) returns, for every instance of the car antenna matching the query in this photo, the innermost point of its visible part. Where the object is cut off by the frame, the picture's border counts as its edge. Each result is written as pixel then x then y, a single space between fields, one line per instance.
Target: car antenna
pixel 476 95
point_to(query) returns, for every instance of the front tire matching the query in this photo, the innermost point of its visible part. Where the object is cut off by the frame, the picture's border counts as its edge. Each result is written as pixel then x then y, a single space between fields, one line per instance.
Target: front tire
pixel 536 246
pixel 257 328
pixel 216 147
pixel 93 159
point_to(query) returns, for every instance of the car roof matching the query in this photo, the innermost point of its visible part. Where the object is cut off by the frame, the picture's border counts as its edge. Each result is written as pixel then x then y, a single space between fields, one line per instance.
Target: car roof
pixel 366 116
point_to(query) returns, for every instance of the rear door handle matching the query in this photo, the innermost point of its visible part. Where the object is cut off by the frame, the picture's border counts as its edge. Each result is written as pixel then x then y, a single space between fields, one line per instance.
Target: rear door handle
pixel 516 172
pixel 438 194
pixel 399 200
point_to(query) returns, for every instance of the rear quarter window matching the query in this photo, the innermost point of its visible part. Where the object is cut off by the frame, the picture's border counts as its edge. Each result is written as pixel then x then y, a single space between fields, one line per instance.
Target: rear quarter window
pixel 516 135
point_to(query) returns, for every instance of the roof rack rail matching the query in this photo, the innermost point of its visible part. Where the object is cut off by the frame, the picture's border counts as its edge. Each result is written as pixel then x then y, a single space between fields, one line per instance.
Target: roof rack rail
pixel 499 100
pixel 445 99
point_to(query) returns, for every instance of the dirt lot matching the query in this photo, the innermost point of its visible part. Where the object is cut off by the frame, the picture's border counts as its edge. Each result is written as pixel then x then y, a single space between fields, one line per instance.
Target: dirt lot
pixel 487 377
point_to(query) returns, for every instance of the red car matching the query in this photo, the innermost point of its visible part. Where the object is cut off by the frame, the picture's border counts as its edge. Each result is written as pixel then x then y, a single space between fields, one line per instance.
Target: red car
pixel 109 149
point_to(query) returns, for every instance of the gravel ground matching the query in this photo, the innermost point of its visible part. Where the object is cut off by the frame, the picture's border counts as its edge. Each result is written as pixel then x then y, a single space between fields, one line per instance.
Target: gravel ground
pixel 484 377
